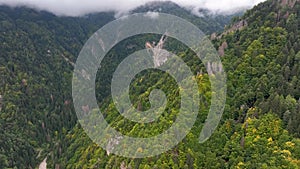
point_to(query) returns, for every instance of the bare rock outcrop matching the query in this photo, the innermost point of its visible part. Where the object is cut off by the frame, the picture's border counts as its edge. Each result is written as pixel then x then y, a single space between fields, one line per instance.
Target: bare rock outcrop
pixel 222 48
pixel 159 56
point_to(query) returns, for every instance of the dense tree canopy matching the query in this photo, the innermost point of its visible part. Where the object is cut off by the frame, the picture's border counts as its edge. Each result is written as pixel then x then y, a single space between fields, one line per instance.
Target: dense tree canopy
pixel 260 126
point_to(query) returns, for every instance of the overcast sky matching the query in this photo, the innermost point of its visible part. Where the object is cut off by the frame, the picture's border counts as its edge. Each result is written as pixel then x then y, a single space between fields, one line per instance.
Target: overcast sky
pixel 81 7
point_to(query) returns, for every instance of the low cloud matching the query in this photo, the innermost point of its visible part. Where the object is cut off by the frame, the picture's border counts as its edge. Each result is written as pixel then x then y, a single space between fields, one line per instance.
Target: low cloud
pixel 79 7
pixel 152 15
pixel 222 6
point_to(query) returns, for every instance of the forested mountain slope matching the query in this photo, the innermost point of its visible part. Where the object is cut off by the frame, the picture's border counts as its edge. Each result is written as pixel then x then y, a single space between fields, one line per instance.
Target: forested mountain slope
pixel 260 125
pixel 209 22
pixel 35 80
pixel 263 61
pixel 38 50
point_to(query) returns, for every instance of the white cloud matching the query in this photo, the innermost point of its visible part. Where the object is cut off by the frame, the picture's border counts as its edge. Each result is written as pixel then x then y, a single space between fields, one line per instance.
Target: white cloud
pixel 79 7
pixel 152 15
pixel 219 5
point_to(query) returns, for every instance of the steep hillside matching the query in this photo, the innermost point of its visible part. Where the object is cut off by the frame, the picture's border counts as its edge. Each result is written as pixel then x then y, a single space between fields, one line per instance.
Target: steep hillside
pixel 38 50
pixel 36 104
pixel 260 126
pixel 208 22
pixel 263 61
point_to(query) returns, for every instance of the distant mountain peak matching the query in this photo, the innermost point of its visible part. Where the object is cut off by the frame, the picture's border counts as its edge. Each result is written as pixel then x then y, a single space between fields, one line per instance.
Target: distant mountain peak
pixel 157 6
pixel 161 3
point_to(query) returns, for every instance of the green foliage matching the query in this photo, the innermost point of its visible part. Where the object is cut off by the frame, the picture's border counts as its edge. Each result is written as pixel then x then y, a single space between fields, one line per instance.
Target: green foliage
pixel 35 82
pixel 260 126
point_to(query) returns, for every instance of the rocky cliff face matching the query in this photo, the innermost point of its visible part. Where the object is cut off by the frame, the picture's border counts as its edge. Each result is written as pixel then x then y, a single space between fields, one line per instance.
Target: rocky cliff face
pixel 159 56
pixel 290 3
pixel 1 98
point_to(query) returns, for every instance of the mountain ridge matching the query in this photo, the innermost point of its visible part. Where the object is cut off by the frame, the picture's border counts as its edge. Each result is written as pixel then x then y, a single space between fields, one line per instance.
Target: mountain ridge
pixel 260 126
